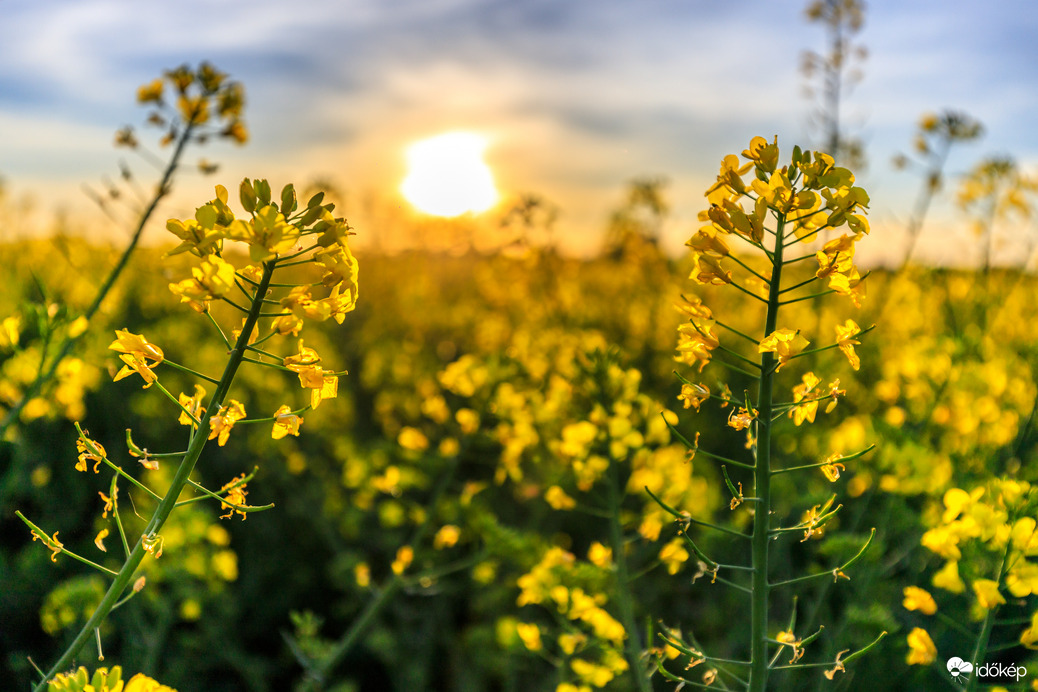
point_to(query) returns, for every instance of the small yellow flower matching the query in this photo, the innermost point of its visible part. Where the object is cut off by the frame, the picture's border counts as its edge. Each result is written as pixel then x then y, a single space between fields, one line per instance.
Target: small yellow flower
pixel 673 555
pixel 285 423
pixel 404 557
pixel 99 540
pixel 919 599
pixel 921 649
pixel 742 419
pixel 838 667
pixel 600 555
pixel 845 334
pixel 235 497
pixel 806 398
pixel 693 395
pixel 948 578
pixel 784 343
pixel 222 422
pixel 413 439
pixel 324 384
pixel 569 642
pixel 557 498
pixel 1029 637
pixel 150 93
pixel 191 405
pixel 987 593
pixel 53 544
pixel 447 537
pixel 1022 579
pixel 530 634
pixel 832 468
pixel 790 640
pixel 362 575
pixel 138 355
pixel 89 450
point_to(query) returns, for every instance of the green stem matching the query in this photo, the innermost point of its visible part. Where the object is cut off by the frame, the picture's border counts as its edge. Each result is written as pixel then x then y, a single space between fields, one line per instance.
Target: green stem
pixel 633 645
pixel 762 484
pixel 165 507
pixel 981 647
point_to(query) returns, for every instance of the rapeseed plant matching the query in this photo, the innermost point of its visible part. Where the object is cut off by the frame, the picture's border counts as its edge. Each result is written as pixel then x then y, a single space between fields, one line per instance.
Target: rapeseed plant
pixel 192 106
pixel 789 206
pixel 278 235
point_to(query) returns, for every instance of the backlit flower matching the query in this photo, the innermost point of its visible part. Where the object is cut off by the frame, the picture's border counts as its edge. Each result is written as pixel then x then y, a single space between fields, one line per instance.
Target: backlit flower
pixel 285 423
pixel 223 421
pixel 784 343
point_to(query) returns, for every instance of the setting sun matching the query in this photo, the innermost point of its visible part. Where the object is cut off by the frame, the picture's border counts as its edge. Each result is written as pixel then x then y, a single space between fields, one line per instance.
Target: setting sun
pixel 446 175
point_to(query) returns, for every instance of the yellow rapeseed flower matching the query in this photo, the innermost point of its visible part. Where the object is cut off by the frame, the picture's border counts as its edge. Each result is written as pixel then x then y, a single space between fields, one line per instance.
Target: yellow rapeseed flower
pixel 921 649
pixel 223 421
pixel 845 334
pixel 987 593
pixel 919 599
pixel 784 343
pixel 285 423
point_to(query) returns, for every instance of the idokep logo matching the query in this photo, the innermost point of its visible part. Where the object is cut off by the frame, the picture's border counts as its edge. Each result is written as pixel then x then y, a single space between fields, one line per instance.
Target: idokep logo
pixel 960 670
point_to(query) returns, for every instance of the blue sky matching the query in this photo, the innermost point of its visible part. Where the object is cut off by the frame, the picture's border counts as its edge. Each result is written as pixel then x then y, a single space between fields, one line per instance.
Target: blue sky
pixel 576 96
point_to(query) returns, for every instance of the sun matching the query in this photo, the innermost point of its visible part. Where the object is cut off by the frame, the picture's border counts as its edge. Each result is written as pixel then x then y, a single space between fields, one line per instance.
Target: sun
pixel 446 175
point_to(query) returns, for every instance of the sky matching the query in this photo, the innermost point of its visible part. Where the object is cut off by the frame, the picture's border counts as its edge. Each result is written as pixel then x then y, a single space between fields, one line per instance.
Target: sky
pixel 575 97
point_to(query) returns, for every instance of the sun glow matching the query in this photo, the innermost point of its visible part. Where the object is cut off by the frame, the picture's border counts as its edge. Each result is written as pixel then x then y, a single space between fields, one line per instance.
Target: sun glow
pixel 446 175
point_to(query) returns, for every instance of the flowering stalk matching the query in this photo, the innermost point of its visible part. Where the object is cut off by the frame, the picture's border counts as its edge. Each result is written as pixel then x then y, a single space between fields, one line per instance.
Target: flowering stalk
pixel 165 507
pixel 275 237
pixel 213 88
pixel 802 199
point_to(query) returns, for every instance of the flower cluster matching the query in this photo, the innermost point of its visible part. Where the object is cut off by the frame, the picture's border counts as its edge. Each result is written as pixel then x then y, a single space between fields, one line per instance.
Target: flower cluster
pixel 184 98
pixel 104 680
pixel 988 540
pixel 573 589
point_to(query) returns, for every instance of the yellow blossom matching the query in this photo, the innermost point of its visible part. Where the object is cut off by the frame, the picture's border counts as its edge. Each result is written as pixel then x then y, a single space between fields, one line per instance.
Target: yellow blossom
pixel 784 343
pixel 696 340
pixel 413 439
pixel 987 593
pixel 557 498
pixel 948 578
pixel 223 421
pixel 99 540
pixel 919 599
pixel 845 334
pixel 806 398
pixel 235 497
pixel 1022 579
pixel 211 279
pixel 138 355
pixel 53 544
pixel 921 649
pixel 693 395
pixel 569 642
pixel 741 419
pixel 599 555
pixel 285 423
pixel 404 557
pixel 447 537
pixel 673 555
pixel 591 673
pixel 832 468
pixel 1029 637
pixel 191 406
pixel 362 575
pixel 530 634
pixel 89 450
